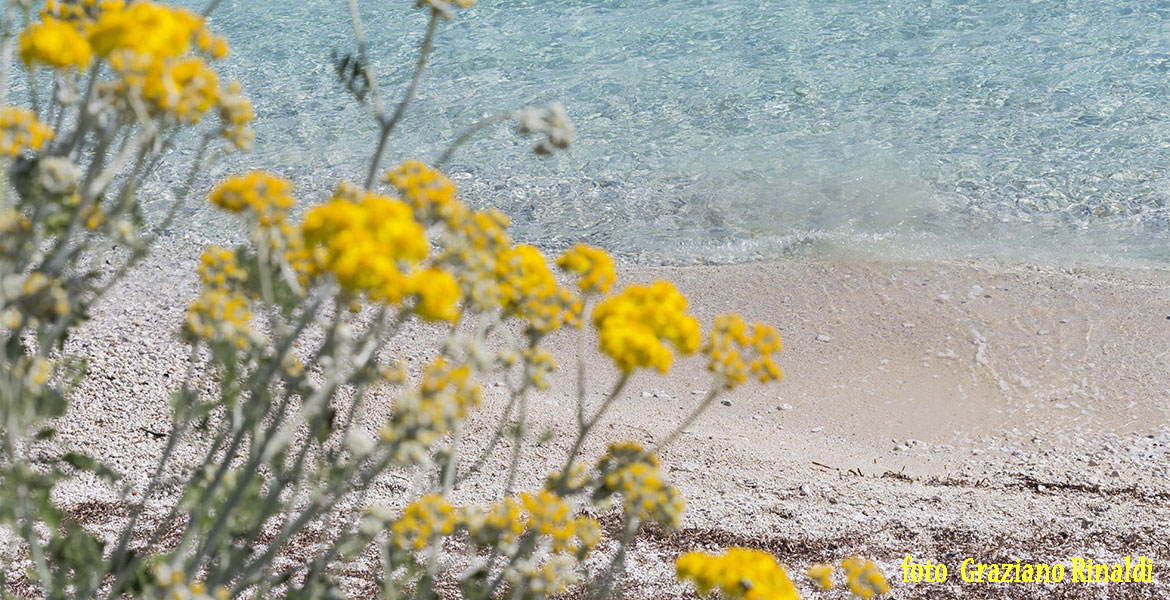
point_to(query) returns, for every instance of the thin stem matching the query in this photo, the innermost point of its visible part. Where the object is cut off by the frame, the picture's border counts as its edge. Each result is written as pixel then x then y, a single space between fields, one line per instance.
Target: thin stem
pixel 587 426
pixel 211 6
pixel 389 124
pixel 687 422
pixel 499 433
pixel 469 133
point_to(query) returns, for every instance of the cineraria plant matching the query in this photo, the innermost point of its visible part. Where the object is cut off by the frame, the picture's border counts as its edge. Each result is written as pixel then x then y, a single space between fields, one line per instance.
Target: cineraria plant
pixel 292 336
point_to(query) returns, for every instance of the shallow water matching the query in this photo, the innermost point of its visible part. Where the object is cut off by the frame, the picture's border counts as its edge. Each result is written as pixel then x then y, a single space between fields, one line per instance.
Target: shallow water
pixel 735 130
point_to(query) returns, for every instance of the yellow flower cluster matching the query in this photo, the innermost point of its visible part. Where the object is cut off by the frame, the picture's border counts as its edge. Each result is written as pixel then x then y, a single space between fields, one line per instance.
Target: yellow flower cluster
pixel 739 574
pixel 175 586
pixel 540 364
pixel 218 268
pixel 14 234
pixel 552 517
pixel 236 114
pixel 545 516
pixel 184 87
pixel 368 241
pixel 20 131
pixel 221 316
pixel 734 349
pixel 475 248
pixel 533 579
pixel 626 470
pixel 428 190
pixel 149 28
pixel 471 246
pixel 35 370
pixel 150 46
pixel 822 575
pixel 635 325
pixel 43 296
pixel 443 398
pixel 437 294
pixel 499 526
pixel 864 577
pixel 264 196
pixel 54 43
pixel 529 290
pixel 593 266
pixel 424 520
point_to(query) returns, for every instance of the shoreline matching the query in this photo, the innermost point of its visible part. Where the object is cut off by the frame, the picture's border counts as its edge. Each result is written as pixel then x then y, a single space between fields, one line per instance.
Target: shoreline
pixel 925 404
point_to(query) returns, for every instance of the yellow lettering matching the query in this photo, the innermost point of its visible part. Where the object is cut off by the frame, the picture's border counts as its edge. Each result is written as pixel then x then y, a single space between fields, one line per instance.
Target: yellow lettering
pixel 969 578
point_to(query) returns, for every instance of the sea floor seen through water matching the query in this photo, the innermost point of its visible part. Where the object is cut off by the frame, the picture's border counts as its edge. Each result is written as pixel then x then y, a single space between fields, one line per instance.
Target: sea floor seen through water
pixel 738 130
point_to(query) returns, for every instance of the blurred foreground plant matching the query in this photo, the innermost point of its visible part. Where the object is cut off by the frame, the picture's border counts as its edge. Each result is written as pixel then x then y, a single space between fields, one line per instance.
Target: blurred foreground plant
pixel 292 337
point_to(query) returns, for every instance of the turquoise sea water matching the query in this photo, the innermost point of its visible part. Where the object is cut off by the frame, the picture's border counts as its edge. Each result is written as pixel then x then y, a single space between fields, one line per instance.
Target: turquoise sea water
pixel 744 129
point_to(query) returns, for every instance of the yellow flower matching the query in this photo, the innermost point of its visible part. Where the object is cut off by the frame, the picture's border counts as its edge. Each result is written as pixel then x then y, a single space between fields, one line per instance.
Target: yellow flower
pixel 221 316
pixel 865 579
pixel 186 88
pixel 236 114
pixel 539 365
pixel 54 43
pixel 265 196
pixel 427 190
pixel 144 28
pixel 369 242
pixel 438 295
pixel 424 520
pixel 499 526
pixel 627 471
pixel 444 397
pixel 529 291
pixel 739 574
pixel 21 131
pixel 218 267
pixel 541 579
pixel 470 247
pixel 214 46
pixel 593 265
pixel 37 372
pixel 822 575
pixel 635 326
pixel 734 349
pixel 551 517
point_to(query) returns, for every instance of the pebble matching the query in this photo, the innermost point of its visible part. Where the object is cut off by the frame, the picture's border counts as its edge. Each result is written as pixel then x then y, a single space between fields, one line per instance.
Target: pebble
pixel 688 467
pixel 909 325
pixel 785 406
pixel 823 338
pixel 725 402
pixel 804 489
pixel 816 429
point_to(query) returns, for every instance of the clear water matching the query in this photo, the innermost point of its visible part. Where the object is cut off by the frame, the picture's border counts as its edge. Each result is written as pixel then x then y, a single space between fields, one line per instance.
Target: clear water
pixel 729 130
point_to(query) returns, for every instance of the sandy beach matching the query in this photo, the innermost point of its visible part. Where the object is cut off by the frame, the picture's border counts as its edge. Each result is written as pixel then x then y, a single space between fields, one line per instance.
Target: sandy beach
pixel 944 410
